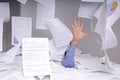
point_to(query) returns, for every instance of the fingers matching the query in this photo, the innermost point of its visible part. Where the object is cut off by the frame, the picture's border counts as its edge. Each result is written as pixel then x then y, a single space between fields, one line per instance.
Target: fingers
pixel 82 24
pixel 75 23
pixel 87 33
pixel 78 24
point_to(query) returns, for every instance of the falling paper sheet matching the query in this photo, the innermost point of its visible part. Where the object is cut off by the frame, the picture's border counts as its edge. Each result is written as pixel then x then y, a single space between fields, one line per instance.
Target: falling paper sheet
pixel 86 10
pixel 48 3
pixel 35 56
pixel 1 33
pixel 5 11
pixel 22 1
pixel 21 28
pixel 93 0
pixel 106 18
pixel 45 12
pixel 60 32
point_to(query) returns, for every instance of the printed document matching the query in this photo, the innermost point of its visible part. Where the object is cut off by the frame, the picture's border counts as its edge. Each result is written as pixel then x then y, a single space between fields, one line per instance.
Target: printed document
pixel 45 13
pixel 21 28
pixel 86 10
pixel 1 33
pixel 105 23
pixel 60 32
pixel 35 56
pixel 5 11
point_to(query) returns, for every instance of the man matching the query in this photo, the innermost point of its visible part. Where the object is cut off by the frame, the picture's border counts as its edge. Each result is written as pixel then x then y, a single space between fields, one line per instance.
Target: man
pixel 78 35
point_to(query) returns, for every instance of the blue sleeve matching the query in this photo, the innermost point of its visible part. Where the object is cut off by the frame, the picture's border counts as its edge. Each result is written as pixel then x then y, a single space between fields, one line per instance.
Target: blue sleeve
pixel 68 58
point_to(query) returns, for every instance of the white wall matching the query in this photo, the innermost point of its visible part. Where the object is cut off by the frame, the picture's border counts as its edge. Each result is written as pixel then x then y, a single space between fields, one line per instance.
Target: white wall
pixel 67 11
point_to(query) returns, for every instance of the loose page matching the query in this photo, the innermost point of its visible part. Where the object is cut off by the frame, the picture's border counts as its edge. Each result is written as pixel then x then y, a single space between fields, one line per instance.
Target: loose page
pixel 1 33
pixel 107 15
pixel 35 56
pixel 47 3
pixel 21 28
pixel 5 11
pixel 60 32
pixel 86 10
pixel 22 1
pixel 45 13
pixel 93 0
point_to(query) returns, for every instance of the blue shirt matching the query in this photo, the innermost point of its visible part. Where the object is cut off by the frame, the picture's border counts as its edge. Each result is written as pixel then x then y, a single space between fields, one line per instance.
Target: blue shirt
pixel 68 58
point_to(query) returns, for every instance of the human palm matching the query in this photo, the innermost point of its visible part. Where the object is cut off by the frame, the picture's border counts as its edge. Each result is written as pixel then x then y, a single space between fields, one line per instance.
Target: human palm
pixel 78 33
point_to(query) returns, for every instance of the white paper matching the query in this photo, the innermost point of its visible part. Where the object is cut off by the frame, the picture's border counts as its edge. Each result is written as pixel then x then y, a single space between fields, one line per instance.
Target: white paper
pixel 93 0
pixel 105 21
pixel 35 56
pixel 5 11
pixel 1 33
pixel 87 10
pixel 44 14
pixel 22 1
pixel 60 32
pixel 47 3
pixel 113 15
pixel 8 57
pixel 21 28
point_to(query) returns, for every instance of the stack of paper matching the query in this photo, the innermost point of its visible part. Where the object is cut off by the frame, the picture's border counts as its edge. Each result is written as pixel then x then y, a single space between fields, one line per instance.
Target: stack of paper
pixel 86 61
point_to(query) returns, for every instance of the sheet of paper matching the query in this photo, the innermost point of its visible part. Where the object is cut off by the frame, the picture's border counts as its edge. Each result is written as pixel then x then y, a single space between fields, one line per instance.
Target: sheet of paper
pixel 9 56
pixel 113 10
pixel 21 28
pixel 105 22
pixel 47 3
pixel 35 56
pixel 60 32
pixel 44 14
pixel 5 11
pixel 86 10
pixel 1 33
pixel 22 1
pixel 93 0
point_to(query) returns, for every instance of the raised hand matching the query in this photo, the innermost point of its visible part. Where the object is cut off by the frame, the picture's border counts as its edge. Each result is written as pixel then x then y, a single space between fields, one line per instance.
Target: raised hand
pixel 78 33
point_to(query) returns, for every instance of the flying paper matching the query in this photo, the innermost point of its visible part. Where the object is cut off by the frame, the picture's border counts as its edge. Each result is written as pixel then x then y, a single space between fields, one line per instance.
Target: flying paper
pixel 60 32
pixel 1 33
pixel 45 12
pixel 35 56
pixel 107 15
pixel 21 28
pixel 87 10
pixel 5 11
